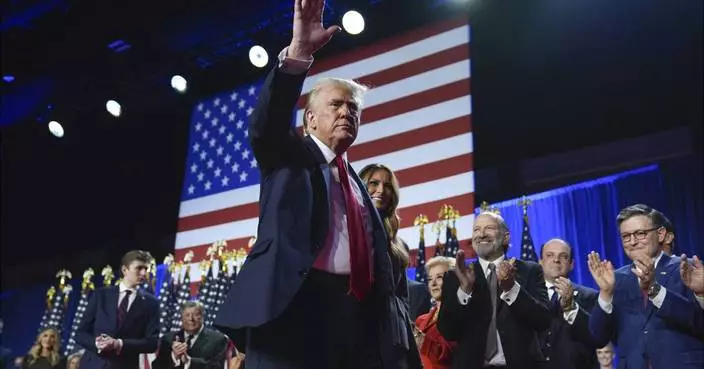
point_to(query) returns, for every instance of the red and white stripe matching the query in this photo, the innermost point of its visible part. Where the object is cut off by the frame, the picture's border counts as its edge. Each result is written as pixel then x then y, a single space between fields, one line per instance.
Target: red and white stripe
pixel 416 120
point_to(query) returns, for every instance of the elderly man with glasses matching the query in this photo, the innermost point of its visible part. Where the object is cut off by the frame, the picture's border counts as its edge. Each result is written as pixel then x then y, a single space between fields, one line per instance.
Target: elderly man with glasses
pixel 645 307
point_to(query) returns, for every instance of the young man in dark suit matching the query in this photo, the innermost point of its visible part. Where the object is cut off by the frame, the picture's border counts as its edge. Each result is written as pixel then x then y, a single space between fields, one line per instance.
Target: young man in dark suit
pixel 193 347
pixel 568 343
pixel 494 308
pixel 121 321
pixel 317 288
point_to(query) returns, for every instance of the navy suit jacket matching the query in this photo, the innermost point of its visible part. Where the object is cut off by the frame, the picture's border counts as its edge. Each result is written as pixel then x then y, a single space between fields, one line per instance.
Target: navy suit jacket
pixel 572 345
pixel 293 220
pixel 139 332
pixel 670 337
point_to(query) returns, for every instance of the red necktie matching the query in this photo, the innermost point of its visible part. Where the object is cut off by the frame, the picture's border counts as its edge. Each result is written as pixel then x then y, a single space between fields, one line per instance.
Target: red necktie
pixel 361 273
pixel 122 309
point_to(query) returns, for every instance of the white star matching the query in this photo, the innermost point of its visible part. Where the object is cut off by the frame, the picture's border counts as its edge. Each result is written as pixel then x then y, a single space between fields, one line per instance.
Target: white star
pixel 207 114
pixel 245 154
pixel 229 137
pixel 235 167
pixel 233 96
pixel 212 142
pixel 231 117
pixel 191 188
pixel 200 107
pixel 221 130
pixel 207 185
pixel 225 181
pixel 217 172
pixel 241 104
pixel 198 126
pixel 200 177
pixel 216 102
pixel 252 90
pixel 249 111
pixel 246 133
pixel 214 122
pixel 253 163
pixel 203 154
pixel 194 168
pixel 223 109
pixel 238 145
pixel 219 150
pixel 228 158
pixel 205 134
pixel 210 163
pixel 196 147
pixel 243 176
pixel 240 124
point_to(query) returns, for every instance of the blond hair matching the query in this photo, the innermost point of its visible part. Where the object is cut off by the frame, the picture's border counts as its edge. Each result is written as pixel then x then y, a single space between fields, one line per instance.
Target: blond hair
pixel 357 90
pixel 448 262
pixel 35 352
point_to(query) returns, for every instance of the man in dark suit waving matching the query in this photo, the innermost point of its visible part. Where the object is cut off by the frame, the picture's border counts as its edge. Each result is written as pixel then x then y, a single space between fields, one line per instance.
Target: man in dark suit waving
pixel 494 307
pixel 121 321
pixel 193 347
pixel 568 343
pixel 316 290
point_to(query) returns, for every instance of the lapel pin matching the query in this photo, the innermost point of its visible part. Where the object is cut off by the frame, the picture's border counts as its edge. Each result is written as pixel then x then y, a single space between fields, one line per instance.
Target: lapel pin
pixel 663 273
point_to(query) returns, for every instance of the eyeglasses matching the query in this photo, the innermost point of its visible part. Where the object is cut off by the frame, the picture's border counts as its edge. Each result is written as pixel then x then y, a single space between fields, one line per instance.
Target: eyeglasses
pixel 638 235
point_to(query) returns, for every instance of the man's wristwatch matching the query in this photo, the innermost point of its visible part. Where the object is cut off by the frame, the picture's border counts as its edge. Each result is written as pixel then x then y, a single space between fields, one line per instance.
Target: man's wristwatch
pixel 654 290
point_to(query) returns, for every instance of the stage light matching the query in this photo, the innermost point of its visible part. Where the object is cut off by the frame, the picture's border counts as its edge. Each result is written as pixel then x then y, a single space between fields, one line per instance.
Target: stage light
pixel 56 129
pixel 353 22
pixel 179 83
pixel 258 56
pixel 113 108
pixel 8 78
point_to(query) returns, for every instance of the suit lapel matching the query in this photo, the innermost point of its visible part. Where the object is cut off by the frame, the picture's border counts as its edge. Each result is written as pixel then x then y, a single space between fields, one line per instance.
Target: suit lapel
pixel 662 275
pixel 320 180
pixel 200 342
pixel 136 307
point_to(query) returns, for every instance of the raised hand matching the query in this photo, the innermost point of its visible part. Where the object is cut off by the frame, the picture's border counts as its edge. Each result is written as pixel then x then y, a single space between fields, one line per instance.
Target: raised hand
pixel 692 274
pixel 603 274
pixel 645 271
pixel 506 274
pixel 464 274
pixel 566 291
pixel 309 34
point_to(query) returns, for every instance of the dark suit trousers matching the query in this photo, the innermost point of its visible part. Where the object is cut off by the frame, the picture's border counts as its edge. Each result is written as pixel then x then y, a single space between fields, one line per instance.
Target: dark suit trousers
pixel 322 328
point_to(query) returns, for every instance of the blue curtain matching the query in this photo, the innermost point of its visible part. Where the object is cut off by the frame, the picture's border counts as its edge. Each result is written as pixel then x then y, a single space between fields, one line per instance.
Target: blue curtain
pixel 584 214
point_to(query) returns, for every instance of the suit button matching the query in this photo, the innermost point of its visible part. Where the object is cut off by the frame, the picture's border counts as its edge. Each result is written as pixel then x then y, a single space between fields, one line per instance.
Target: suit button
pixel 645 331
pixel 303 273
pixel 547 344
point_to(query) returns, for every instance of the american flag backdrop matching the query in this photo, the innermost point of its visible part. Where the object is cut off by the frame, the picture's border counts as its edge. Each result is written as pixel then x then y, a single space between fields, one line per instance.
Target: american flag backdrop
pixel 416 120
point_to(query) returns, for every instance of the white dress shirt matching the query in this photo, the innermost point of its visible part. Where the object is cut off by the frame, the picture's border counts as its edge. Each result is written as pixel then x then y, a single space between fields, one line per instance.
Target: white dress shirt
pixel 509 297
pixel 133 295
pixel 335 255
pixel 187 364
pixel 569 316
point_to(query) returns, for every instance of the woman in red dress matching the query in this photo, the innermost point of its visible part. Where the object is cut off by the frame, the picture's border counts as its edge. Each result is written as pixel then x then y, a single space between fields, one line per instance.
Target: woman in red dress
pixel 435 351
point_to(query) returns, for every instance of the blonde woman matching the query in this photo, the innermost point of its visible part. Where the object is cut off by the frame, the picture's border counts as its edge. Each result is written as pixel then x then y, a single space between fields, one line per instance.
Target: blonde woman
pixel 74 360
pixel 435 350
pixel 44 354
pixel 383 188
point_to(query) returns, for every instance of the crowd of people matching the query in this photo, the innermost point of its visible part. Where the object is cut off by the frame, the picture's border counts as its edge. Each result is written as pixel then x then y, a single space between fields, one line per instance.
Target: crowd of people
pixel 325 287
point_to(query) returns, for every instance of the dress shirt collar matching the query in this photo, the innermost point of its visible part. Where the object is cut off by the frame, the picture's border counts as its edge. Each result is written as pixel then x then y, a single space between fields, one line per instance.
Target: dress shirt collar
pixel 485 263
pixel 657 260
pixel 195 336
pixel 328 154
pixel 123 287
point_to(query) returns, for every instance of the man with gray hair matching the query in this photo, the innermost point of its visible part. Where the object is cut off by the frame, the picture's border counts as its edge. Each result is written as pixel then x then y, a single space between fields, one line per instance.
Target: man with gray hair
pixel 317 289
pixel 194 346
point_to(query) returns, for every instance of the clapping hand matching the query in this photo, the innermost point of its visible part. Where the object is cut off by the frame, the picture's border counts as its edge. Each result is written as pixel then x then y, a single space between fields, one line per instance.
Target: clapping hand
pixel 692 274
pixel 506 274
pixel 309 35
pixel 179 348
pixel 645 271
pixel 566 291
pixel 464 274
pixel 603 274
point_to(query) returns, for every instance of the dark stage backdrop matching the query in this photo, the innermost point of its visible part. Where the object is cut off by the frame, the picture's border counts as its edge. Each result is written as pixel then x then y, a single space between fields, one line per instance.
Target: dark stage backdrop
pixel 583 214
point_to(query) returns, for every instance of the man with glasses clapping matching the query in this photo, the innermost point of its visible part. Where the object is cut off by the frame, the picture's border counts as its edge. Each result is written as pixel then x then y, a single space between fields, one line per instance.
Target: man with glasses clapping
pixel 645 307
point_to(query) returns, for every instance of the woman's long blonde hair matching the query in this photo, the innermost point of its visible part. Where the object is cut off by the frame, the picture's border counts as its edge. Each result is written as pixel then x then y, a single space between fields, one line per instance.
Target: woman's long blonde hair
pixel 36 351
pixel 390 216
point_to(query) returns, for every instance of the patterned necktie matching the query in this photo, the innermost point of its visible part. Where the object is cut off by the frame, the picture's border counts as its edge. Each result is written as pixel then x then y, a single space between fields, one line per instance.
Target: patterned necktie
pixel 360 268
pixel 122 309
pixel 189 341
pixel 491 337
pixel 555 299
